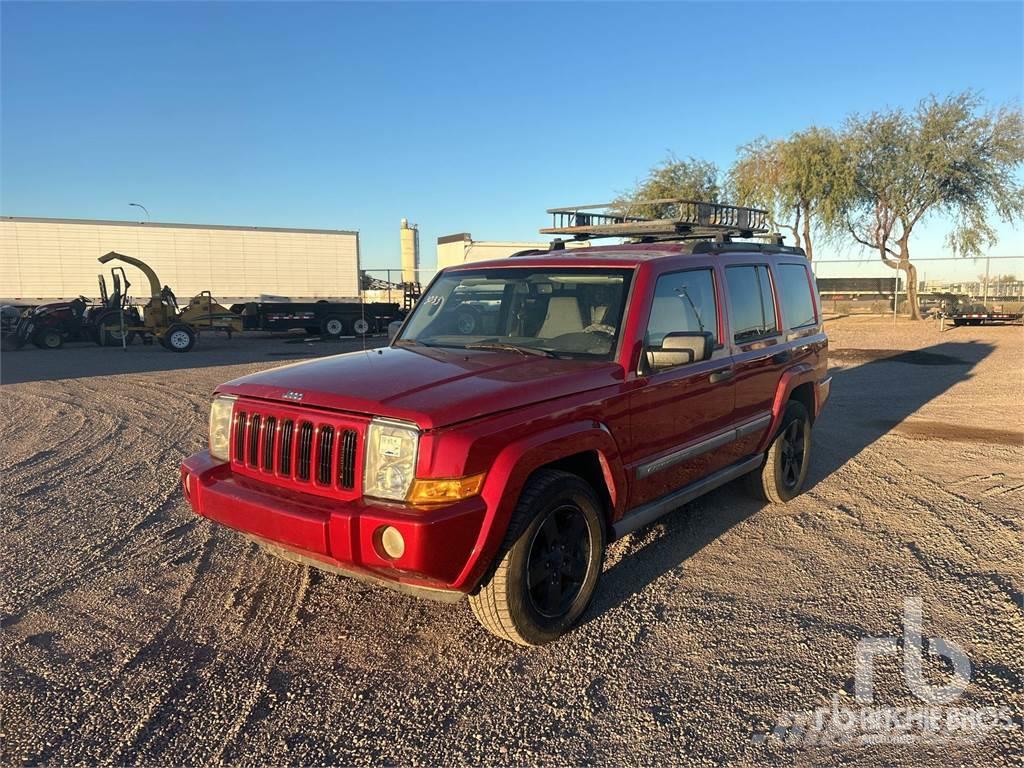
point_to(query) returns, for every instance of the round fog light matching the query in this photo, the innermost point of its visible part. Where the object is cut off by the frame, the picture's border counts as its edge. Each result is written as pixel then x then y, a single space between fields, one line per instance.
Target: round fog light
pixel 392 543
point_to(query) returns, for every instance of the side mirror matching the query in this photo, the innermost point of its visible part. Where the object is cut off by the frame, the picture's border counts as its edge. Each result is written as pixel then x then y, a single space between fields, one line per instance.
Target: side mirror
pixel 393 328
pixel 680 349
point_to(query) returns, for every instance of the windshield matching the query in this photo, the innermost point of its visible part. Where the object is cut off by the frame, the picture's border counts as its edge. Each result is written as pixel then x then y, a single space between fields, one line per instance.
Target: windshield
pixel 548 311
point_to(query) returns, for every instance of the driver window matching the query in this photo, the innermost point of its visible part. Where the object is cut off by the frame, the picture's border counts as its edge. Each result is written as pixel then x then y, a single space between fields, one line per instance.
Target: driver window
pixel 683 302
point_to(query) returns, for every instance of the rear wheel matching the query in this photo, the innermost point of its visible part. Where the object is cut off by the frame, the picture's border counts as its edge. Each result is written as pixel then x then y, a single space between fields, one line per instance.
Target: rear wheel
pixel 361 326
pixel 109 331
pixel 781 476
pixel 179 338
pixel 548 565
pixel 332 327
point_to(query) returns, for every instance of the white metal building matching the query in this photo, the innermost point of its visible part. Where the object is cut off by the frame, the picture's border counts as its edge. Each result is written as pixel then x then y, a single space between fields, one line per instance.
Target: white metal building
pixel 50 259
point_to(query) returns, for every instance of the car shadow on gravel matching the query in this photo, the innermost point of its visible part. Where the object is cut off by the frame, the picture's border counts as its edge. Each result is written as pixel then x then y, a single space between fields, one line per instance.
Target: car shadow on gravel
pixel 84 359
pixel 873 392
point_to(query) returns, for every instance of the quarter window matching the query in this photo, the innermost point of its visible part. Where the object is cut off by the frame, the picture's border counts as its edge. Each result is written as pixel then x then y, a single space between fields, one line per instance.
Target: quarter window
pixel 795 293
pixel 683 302
pixel 752 305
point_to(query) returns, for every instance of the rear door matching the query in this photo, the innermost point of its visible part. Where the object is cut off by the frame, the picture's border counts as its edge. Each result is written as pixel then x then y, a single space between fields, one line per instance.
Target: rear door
pixel 759 354
pixel 676 413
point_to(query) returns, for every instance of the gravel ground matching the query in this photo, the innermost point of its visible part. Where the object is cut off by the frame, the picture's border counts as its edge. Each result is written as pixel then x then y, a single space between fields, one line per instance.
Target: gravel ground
pixel 132 631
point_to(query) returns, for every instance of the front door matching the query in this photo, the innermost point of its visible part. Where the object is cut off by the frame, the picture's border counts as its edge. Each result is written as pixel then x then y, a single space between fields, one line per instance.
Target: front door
pixel 676 414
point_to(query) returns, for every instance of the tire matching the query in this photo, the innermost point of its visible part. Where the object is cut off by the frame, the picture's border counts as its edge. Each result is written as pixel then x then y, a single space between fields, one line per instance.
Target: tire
pixel 48 338
pixel 784 470
pixel 556 528
pixel 467 321
pixel 108 330
pixel 332 327
pixel 179 338
pixel 361 326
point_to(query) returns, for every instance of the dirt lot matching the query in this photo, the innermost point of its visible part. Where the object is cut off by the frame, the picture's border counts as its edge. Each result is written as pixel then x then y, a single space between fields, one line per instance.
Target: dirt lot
pixel 133 632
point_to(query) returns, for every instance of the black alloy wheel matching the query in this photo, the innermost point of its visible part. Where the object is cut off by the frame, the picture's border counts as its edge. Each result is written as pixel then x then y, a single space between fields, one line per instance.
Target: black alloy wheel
pixel 558 561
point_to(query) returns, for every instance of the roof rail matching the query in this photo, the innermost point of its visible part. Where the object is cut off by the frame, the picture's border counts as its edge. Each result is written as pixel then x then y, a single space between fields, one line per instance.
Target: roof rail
pixel 683 220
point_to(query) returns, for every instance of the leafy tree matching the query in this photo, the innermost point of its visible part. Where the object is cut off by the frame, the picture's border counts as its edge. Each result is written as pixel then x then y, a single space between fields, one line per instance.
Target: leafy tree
pixel 689 179
pixel 945 157
pixel 801 181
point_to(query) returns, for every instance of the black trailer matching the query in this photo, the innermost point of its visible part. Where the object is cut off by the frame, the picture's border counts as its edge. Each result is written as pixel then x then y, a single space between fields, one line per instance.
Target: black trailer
pixel 330 319
pixel 979 314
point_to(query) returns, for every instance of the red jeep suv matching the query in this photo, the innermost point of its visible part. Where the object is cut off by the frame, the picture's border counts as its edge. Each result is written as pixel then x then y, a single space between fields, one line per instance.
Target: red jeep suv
pixel 530 410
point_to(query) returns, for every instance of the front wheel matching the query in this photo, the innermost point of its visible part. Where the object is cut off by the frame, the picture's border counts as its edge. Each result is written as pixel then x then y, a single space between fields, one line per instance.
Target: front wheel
pixel 781 476
pixel 49 338
pixel 548 565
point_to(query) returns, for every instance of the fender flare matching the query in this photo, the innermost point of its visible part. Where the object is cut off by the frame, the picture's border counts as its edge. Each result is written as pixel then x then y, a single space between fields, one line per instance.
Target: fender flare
pixel 790 380
pixel 513 466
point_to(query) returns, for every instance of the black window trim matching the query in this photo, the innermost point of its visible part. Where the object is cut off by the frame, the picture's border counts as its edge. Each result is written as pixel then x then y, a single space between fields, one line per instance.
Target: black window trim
pixel 771 285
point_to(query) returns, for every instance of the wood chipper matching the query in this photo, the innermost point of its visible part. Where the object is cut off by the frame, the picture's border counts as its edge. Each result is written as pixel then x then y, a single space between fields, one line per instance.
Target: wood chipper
pixel 176 329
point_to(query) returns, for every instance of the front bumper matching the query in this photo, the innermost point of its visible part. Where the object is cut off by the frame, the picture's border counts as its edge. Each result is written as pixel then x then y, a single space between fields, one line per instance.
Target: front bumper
pixel 342 535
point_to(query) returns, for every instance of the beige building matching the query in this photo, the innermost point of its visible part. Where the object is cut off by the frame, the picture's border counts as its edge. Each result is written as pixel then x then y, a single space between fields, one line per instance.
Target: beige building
pixel 462 248
pixel 50 259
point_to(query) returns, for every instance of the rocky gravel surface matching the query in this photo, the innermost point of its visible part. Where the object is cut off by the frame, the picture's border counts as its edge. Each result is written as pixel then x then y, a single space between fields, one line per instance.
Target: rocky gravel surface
pixel 133 632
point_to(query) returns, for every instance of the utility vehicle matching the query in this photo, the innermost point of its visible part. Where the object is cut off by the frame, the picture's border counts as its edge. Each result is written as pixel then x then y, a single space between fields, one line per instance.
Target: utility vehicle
pixel 608 386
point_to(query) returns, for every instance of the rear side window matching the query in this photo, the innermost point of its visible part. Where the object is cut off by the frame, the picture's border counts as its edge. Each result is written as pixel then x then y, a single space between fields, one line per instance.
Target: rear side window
pixel 752 304
pixel 795 294
pixel 683 302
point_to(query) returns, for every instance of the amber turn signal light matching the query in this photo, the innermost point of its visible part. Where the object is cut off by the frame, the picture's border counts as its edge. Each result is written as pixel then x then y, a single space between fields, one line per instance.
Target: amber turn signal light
pixel 444 491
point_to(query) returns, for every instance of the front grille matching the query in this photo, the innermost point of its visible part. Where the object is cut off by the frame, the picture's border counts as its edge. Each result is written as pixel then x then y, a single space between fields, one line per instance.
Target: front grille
pixel 293 447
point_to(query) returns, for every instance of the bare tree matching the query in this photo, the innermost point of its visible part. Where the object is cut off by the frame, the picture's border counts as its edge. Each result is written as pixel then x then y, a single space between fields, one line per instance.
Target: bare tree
pixel 945 157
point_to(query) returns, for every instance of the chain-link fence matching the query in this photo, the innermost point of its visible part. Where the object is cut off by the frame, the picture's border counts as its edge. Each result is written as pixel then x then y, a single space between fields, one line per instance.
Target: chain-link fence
pixel 867 285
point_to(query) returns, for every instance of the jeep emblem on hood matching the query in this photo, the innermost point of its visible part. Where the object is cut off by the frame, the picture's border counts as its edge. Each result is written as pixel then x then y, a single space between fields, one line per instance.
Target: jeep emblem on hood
pixel 292 395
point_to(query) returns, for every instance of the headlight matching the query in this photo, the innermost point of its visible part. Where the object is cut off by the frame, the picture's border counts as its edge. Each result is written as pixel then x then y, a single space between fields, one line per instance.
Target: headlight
pixel 220 427
pixel 390 459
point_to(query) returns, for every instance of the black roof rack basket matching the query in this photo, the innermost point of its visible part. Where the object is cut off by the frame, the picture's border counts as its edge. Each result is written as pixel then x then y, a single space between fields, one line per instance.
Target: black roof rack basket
pixel 681 220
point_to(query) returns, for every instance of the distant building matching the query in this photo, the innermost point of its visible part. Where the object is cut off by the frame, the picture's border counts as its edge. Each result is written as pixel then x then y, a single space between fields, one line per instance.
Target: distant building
pixel 51 259
pixel 462 248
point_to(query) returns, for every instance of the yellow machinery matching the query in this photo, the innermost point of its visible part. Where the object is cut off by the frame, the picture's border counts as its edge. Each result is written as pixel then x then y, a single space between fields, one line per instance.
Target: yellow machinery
pixel 176 329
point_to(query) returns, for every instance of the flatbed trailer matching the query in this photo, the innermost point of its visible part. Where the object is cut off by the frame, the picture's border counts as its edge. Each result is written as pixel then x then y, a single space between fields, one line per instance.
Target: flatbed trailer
pixel 330 319
pixel 981 318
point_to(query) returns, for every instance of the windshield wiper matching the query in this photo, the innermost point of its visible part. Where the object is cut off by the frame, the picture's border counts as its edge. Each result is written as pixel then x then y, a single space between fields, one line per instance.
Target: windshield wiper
pixel 524 351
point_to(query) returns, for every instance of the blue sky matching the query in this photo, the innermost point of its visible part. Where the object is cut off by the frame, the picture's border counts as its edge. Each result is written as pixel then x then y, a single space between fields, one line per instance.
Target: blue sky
pixel 461 117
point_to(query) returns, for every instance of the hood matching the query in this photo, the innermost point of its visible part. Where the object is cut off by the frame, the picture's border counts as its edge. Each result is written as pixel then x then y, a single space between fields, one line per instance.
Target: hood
pixel 432 387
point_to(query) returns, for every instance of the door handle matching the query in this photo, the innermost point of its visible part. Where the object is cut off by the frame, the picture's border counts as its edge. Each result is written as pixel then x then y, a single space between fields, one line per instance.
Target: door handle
pixel 721 375
pixel 782 357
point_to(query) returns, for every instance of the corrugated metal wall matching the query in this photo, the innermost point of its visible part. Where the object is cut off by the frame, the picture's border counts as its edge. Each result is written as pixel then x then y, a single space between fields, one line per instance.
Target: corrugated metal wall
pixel 51 259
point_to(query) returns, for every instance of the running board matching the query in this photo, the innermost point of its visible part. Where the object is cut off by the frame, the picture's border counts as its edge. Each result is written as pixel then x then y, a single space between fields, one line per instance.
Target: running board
pixel 651 511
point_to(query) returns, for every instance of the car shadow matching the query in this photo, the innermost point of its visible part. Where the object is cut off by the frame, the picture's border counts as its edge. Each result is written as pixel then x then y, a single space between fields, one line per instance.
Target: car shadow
pixel 85 359
pixel 873 391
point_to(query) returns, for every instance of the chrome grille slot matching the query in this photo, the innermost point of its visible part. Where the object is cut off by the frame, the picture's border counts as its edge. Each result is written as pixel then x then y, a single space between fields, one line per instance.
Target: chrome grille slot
pixel 240 422
pixel 305 449
pixel 284 464
pixel 325 454
pixel 269 435
pixel 347 465
pixel 254 440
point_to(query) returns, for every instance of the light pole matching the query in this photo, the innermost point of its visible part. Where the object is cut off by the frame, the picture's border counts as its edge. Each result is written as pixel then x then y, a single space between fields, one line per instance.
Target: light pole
pixel 140 205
